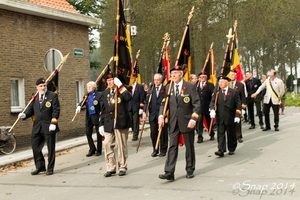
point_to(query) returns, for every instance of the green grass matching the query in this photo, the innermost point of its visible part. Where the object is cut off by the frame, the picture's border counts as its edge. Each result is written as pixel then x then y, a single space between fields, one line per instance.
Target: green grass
pixel 292 102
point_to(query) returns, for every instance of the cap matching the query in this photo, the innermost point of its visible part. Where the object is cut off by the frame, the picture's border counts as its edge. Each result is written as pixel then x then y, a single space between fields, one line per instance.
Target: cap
pixel 224 78
pixel 202 73
pixel 233 70
pixel 40 81
pixel 177 67
pixel 110 75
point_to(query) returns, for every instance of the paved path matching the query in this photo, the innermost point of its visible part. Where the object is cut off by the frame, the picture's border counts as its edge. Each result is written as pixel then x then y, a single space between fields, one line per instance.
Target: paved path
pixel 265 166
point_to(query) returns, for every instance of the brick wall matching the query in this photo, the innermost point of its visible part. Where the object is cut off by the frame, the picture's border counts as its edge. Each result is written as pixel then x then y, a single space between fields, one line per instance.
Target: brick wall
pixel 24 41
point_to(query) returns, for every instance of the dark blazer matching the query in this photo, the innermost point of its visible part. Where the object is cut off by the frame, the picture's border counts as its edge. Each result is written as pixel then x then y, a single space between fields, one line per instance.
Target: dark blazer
pixel 205 96
pixel 137 98
pixel 97 99
pixel 50 109
pixel 187 108
pixel 155 102
pixel 251 87
pixel 239 87
pixel 227 109
pixel 108 110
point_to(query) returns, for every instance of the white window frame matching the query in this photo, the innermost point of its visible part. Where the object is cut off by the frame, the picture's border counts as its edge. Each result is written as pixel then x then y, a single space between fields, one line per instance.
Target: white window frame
pixel 21 95
pixel 79 91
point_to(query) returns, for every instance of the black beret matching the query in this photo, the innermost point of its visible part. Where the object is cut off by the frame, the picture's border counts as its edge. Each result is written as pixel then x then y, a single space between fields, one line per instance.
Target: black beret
pixel 40 81
pixel 110 75
pixel 224 77
pixel 202 73
pixel 177 67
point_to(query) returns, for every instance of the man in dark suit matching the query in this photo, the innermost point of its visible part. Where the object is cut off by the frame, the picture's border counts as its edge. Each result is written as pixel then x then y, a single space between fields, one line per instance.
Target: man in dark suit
pixel 135 106
pixel 205 90
pixel 184 108
pixel 240 88
pixel 252 84
pixel 227 113
pixel 93 104
pixel 114 125
pixel 45 108
pixel 154 100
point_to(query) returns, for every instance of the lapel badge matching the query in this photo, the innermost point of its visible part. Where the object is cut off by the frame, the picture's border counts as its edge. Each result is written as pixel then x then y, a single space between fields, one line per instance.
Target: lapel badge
pixel 186 99
pixel 48 104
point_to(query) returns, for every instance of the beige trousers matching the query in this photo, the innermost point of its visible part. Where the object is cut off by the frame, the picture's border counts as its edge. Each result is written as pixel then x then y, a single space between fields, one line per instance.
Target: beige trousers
pixel 119 138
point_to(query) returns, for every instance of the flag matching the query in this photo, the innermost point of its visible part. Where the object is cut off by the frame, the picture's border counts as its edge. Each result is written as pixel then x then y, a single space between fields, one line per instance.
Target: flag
pixel 102 84
pixel 136 71
pixel 210 68
pixel 52 84
pixel 185 56
pixel 236 60
pixel 122 49
pixel 164 66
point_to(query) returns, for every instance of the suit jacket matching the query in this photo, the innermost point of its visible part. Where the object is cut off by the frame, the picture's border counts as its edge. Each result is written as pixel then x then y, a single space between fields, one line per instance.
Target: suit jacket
pixel 155 102
pixel 138 98
pixel 205 96
pixel 278 87
pixel 108 110
pixel 251 87
pixel 228 109
pixel 187 107
pixel 239 87
pixel 47 114
pixel 97 99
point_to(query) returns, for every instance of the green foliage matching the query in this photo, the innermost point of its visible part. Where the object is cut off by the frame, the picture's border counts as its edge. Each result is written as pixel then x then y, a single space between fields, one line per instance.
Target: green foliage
pixel 292 102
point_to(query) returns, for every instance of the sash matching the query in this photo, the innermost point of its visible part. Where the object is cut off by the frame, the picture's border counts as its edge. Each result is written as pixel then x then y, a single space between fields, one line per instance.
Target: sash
pixel 273 91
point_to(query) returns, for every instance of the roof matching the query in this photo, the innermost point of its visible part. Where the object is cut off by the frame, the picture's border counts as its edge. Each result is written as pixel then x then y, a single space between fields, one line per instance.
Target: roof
pixel 58 4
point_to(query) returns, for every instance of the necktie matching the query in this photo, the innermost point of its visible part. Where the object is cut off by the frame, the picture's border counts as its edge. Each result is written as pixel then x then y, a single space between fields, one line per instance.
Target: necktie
pixel 157 91
pixel 41 100
pixel 224 95
pixel 232 85
pixel 177 93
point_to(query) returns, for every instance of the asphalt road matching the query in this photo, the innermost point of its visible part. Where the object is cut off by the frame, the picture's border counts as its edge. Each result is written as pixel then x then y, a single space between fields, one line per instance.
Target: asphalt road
pixel 265 166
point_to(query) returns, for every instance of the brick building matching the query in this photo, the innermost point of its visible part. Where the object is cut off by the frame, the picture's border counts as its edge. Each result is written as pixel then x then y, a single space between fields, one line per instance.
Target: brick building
pixel 28 29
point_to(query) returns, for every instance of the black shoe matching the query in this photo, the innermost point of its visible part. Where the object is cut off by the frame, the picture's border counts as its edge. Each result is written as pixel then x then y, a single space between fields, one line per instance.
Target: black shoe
pixel 266 129
pixel 252 127
pixel 98 154
pixel 190 175
pixel 162 154
pixel 231 153
pixel 134 139
pixel 240 140
pixel 200 140
pixel 262 127
pixel 276 129
pixel 154 154
pixel 90 154
pixel 168 175
pixel 48 173
pixel 122 173
pixel 219 153
pixel 37 171
pixel 212 138
pixel 109 174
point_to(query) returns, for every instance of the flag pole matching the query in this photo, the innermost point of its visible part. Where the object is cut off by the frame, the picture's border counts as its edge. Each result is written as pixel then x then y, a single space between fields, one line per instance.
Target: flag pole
pixel 229 37
pixel 97 81
pixel 166 38
pixel 171 82
pixel 205 63
pixel 52 75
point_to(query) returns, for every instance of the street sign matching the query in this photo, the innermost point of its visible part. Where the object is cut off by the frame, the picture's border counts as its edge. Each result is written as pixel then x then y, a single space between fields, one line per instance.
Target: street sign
pixel 78 52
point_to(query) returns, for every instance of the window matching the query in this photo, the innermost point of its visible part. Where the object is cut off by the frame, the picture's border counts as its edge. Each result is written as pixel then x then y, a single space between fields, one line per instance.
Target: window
pixel 79 91
pixel 17 94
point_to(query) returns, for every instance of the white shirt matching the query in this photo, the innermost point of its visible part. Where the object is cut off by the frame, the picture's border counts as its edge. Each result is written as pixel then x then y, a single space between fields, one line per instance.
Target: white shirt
pixel 226 90
pixel 179 87
pixel 133 87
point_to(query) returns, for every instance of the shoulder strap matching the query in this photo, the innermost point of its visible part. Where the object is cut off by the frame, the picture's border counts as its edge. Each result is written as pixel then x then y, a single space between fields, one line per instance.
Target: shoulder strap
pixel 273 91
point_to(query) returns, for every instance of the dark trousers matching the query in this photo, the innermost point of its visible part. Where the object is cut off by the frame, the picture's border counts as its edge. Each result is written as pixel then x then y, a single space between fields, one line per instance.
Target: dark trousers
pixel 89 136
pixel 258 111
pixel 163 145
pixel 37 144
pixel 134 118
pixel 267 114
pixel 231 137
pixel 200 126
pixel 190 158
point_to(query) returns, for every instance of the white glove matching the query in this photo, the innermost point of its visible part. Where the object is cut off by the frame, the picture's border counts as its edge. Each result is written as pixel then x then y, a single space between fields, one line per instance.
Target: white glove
pixel 22 115
pixel 117 82
pixel 52 127
pixel 78 109
pixel 101 130
pixel 237 120
pixel 141 111
pixel 243 112
pixel 212 113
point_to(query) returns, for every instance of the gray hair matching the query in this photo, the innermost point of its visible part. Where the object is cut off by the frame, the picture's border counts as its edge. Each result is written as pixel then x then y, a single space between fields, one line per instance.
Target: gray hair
pixel 92 83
